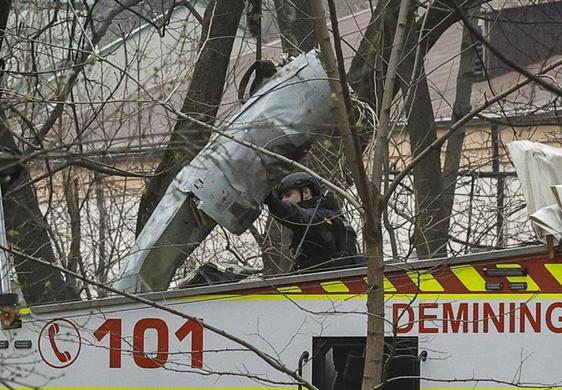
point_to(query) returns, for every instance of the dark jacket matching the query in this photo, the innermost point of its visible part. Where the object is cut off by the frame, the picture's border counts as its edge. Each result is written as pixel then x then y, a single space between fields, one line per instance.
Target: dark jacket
pixel 322 238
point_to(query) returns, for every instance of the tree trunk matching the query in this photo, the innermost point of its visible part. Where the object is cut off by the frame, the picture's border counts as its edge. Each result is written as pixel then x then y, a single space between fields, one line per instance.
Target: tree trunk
pixel 374 350
pixel 431 214
pixel 430 234
pixel 295 26
pixel 27 231
pixel 364 64
pixel 202 101
pixel 102 266
pixel 430 230
pixel 373 373
pixel 71 192
pixel 461 107
pixel 370 198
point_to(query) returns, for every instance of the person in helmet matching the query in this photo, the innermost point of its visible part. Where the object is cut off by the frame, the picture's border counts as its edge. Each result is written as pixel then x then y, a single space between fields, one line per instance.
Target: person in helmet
pixel 322 238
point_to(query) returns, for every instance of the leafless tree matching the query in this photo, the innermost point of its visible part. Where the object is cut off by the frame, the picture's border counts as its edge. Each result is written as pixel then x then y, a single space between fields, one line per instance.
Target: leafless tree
pixel 104 118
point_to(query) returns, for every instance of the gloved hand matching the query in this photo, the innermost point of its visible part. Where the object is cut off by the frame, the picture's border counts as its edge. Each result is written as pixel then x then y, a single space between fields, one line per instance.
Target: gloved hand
pixel 271 199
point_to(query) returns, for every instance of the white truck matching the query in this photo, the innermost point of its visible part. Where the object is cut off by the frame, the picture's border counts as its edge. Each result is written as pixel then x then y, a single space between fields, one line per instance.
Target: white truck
pixel 488 321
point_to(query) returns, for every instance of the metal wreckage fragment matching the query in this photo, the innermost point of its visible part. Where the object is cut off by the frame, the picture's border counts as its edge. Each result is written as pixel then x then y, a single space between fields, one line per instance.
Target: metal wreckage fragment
pixel 227 181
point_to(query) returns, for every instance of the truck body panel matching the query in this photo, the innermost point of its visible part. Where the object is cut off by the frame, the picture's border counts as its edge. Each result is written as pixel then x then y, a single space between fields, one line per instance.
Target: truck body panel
pixel 478 329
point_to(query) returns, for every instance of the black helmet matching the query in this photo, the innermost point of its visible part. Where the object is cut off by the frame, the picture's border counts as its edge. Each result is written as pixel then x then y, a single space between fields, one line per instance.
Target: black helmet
pixel 298 180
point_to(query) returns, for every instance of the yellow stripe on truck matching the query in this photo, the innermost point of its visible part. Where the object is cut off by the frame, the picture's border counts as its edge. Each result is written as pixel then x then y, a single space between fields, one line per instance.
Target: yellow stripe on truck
pixel 388 286
pixel 555 270
pixel 334 287
pixel 289 290
pixel 425 281
pixel 469 277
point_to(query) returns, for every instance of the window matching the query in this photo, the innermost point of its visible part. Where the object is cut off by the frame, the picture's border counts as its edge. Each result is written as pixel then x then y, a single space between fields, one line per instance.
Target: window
pixel 479 61
pixel 338 363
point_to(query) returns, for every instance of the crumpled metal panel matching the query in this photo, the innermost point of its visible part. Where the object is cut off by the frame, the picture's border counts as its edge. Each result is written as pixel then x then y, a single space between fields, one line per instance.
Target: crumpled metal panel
pixel 171 234
pixel 232 180
pixel 228 181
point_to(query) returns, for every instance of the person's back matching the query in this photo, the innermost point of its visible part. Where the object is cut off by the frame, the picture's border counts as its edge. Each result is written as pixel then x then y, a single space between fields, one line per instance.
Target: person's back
pixel 322 238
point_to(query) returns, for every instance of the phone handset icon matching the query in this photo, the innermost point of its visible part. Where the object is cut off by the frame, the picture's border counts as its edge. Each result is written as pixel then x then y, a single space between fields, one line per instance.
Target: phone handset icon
pixel 52 332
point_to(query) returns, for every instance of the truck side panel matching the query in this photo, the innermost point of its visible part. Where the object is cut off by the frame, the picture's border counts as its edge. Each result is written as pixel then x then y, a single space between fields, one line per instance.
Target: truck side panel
pixel 473 336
